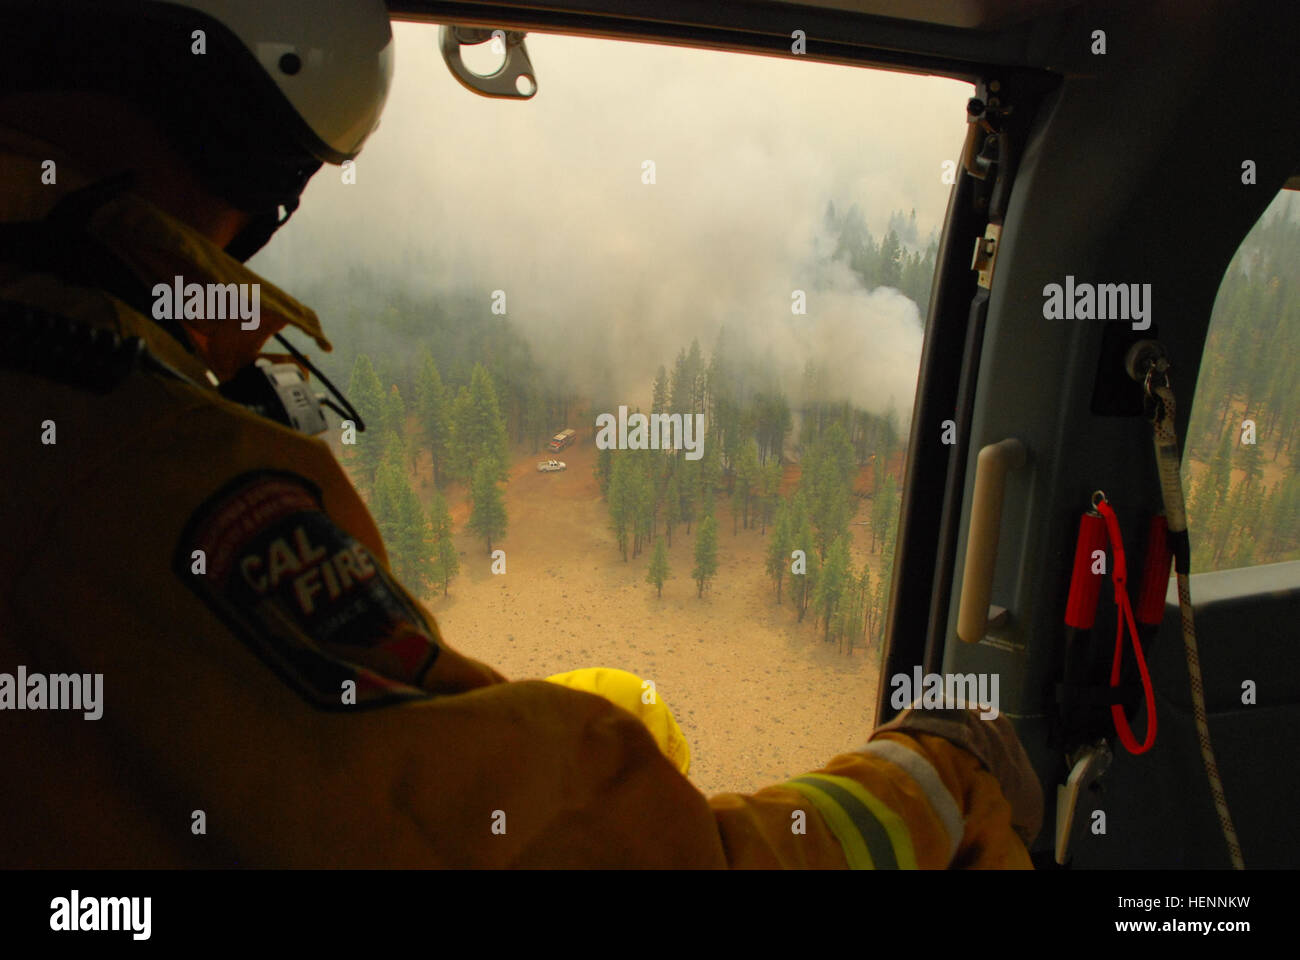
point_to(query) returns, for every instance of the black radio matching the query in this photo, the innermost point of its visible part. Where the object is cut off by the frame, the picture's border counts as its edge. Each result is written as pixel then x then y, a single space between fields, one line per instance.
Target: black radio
pixel 58 348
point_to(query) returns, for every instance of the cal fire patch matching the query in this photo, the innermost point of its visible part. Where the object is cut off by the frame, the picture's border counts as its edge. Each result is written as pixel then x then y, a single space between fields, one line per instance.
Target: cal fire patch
pixel 309 599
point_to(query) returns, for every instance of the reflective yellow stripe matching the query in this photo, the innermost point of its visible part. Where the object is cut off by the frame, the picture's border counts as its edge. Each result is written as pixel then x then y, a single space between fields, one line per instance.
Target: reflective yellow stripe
pixel 874 818
pixel 850 838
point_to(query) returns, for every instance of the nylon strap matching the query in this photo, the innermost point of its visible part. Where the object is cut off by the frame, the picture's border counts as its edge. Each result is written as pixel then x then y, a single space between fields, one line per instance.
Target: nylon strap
pixel 1124 616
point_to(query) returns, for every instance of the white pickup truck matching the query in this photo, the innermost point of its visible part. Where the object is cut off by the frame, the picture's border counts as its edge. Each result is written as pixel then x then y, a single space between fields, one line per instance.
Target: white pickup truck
pixel 550 466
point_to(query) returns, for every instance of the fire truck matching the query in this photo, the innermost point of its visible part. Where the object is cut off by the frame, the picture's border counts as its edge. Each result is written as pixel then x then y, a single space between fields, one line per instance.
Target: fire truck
pixel 562 440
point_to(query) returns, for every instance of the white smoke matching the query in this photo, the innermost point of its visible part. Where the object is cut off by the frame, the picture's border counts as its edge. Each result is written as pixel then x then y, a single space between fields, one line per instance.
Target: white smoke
pixel 609 277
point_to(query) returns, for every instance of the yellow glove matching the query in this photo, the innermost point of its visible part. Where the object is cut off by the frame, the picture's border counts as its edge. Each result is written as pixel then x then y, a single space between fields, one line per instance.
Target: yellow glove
pixel 637 697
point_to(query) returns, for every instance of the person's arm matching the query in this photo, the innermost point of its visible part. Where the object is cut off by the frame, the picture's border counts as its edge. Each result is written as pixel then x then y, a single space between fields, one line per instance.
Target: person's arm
pixel 914 796
pixel 291 690
pixel 925 792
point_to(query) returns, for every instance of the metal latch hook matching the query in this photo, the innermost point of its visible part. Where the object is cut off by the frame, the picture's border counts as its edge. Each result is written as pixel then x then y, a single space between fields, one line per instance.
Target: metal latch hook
pixel 514 80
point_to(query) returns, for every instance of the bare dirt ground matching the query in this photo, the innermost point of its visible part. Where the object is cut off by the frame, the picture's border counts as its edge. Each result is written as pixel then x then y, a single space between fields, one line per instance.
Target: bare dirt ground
pixel 758 695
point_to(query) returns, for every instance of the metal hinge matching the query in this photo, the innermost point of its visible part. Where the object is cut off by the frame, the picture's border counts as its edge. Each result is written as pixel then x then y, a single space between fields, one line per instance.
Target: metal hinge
pixel 986 254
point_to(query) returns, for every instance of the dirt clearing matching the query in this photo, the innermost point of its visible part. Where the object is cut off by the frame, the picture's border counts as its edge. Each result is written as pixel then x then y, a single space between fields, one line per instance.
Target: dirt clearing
pixel 758 695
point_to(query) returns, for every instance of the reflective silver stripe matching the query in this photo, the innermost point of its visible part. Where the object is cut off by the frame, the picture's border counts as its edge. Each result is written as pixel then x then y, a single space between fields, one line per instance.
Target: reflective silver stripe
pixel 927 778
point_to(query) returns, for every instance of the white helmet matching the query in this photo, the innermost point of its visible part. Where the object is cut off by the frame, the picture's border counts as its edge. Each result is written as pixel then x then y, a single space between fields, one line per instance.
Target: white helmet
pixel 257 94
pixel 332 62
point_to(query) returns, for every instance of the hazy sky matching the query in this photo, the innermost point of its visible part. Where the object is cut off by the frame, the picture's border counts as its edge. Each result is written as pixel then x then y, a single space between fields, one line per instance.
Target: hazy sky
pixel 544 199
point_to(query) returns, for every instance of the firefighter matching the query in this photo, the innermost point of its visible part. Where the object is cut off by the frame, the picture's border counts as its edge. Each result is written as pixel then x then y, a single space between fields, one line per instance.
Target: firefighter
pixel 271 695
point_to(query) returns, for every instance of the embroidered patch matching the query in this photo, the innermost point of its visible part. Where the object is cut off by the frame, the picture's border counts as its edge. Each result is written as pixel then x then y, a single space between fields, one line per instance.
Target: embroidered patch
pixel 305 596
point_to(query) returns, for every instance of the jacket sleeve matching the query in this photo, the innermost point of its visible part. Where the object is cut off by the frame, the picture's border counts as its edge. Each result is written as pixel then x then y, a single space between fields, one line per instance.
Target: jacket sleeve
pixel 901 802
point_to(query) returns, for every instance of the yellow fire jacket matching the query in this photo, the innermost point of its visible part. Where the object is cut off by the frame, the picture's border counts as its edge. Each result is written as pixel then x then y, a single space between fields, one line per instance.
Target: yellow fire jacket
pixel 271 696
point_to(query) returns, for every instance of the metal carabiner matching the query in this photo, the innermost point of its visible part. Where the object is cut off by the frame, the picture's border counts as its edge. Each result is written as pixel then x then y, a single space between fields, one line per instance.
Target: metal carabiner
pixel 1153 405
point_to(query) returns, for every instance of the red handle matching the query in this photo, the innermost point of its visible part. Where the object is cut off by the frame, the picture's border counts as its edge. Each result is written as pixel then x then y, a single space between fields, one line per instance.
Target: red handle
pixel 1155 574
pixel 1085 586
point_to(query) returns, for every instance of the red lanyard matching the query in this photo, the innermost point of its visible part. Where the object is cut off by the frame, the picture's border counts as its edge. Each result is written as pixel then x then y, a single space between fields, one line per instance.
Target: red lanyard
pixel 1124 615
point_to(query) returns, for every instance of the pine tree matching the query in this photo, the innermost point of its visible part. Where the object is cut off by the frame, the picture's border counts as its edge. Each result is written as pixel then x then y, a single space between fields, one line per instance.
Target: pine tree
pixel 620 500
pixel 891 261
pixel 889 434
pixel 710 473
pixel 927 279
pixel 395 451
pixel 640 502
pixel 658 571
pixel 886 578
pixel 771 423
pixel 479 429
pixel 385 502
pixel 706 554
pixel 367 395
pixel 672 507
pixel 446 560
pixel 679 389
pixel 604 469
pixel 832 583
pixel 1219 476
pixel 748 480
pixel 828 477
pixel 402 524
pixel 884 510
pixel 1251 462
pixel 1287 518
pixel 879 604
pixel 1195 500
pixel 659 392
pixel 434 410
pixel 778 548
pixel 868 623
pixel 488 516
pixel 414 546
pixel 393 416
pixel 534 419
pixel 690 472
pixel 802 585
pixel 695 376
pixel 726 427
pixel 846 621
pixel 771 490
pixel 1228 518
